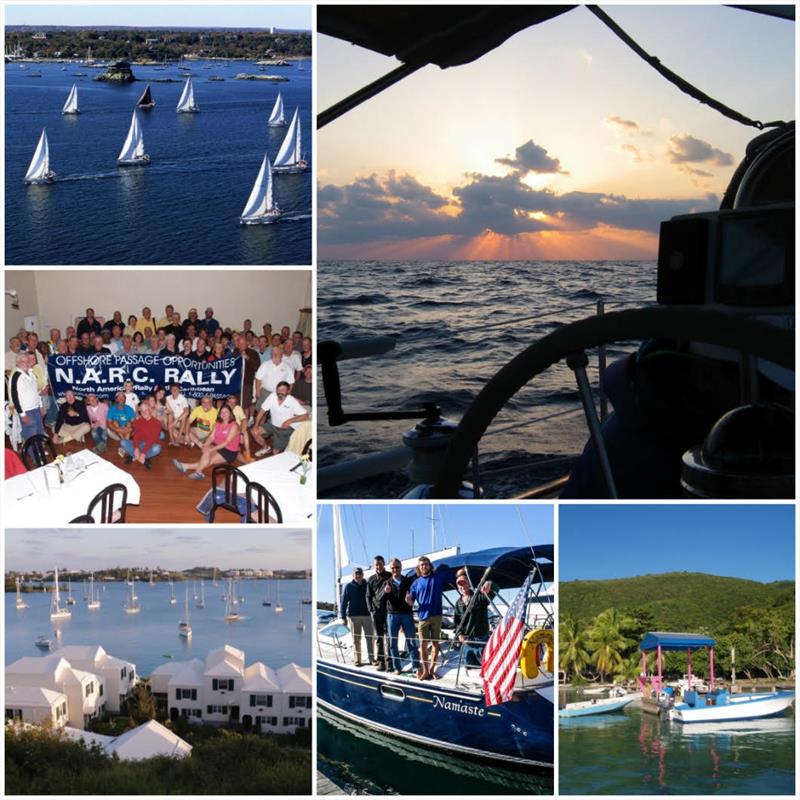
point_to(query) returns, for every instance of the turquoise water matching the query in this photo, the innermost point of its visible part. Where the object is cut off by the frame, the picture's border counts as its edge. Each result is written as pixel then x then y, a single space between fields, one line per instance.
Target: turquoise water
pixel 149 637
pixel 636 753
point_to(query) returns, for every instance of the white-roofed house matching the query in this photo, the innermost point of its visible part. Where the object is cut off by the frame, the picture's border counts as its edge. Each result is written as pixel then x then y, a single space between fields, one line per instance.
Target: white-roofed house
pixel 144 741
pixel 295 683
pixel 119 675
pixel 222 683
pixel 36 706
pixel 185 691
pixel 261 698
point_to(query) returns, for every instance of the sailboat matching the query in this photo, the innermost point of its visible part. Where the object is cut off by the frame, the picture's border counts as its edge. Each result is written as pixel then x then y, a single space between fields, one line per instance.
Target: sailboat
pixel 186 104
pixel 151 582
pixel 56 611
pixel 278 604
pixel 260 208
pixel 301 623
pixel 290 156
pixel 20 603
pixel 146 100
pixel 266 601
pixel 184 628
pixel 214 583
pixel 172 600
pixel 94 602
pixel 201 601
pixel 132 607
pixel 71 601
pixel 132 152
pixel 39 170
pixel 306 598
pixel 276 118
pixel 128 580
pixel 231 614
pixel 85 596
pixel 71 106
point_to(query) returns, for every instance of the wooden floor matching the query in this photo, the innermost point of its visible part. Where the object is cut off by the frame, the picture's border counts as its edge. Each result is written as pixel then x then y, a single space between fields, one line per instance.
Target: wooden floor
pixel 167 495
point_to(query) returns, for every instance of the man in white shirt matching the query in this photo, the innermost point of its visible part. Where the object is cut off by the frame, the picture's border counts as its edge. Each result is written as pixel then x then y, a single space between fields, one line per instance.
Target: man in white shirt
pixel 285 413
pixel 25 396
pixel 270 374
pixel 177 416
pixel 291 357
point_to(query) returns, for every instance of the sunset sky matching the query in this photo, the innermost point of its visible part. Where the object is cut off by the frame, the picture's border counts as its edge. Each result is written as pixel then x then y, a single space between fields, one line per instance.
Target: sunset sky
pixel 559 144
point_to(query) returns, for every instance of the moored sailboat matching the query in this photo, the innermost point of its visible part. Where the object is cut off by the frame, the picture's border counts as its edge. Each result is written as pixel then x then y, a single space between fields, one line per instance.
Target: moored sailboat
pixel 20 603
pixel 172 600
pixel 266 601
pixel 132 152
pixel 231 614
pixel 94 601
pixel 278 604
pixel 71 106
pixel 277 118
pixel 201 600
pixel 146 101
pixel 186 103
pixel 56 609
pixel 260 208
pixel 132 607
pixel 290 156
pixel 184 627
pixel 301 623
pixel 39 169
pixel 71 601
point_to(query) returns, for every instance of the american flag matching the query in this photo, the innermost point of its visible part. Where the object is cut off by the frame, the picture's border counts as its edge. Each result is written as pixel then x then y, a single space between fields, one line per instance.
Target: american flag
pixel 501 654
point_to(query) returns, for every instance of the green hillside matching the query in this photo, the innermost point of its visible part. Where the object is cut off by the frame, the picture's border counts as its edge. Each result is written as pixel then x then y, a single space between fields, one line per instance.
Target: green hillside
pixel 678 601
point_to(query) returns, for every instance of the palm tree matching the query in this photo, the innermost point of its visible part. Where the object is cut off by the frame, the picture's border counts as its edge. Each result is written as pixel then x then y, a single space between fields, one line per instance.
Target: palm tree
pixel 607 641
pixel 573 654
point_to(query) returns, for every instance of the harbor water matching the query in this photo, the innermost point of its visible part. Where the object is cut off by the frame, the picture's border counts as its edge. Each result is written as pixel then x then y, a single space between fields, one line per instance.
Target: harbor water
pixel 150 638
pixel 184 207
pixel 366 762
pixel 632 752
pixel 456 325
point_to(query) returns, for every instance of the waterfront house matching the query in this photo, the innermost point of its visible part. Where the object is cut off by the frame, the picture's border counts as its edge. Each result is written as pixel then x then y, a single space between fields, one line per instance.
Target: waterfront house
pixel 36 706
pixel 119 675
pixel 145 741
pixel 295 684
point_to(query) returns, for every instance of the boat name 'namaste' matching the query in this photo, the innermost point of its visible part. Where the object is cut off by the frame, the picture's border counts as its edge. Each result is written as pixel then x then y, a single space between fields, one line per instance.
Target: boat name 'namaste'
pixel 462 708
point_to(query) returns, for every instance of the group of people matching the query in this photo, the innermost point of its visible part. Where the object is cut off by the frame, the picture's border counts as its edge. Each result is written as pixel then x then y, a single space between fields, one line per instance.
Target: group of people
pixel 275 395
pixel 380 607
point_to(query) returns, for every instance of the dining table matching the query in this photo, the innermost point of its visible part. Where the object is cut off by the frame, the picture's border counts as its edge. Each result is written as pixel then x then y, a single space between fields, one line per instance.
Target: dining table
pixel 54 494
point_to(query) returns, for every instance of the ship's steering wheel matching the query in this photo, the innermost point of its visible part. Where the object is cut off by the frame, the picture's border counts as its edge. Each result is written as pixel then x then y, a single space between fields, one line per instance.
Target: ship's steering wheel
pixel 725 329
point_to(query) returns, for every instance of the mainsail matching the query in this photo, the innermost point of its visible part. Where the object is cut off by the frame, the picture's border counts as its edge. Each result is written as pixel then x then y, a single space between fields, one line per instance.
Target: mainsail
pixel 290 153
pixel 276 118
pixel 259 204
pixel 133 149
pixel 39 169
pixel 71 106
pixel 146 100
pixel 186 104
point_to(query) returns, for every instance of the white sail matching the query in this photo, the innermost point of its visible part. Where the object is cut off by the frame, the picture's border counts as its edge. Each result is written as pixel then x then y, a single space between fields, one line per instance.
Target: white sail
pixel 289 154
pixel 276 118
pixel 133 149
pixel 260 200
pixel 71 106
pixel 39 169
pixel 56 611
pixel 186 103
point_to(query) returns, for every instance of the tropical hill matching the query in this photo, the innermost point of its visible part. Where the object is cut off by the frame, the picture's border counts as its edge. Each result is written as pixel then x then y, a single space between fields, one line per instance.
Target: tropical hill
pixel 677 601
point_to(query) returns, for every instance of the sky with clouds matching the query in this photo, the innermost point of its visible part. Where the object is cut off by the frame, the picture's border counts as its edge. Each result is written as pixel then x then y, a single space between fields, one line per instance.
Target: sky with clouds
pixel 178 549
pixel 561 143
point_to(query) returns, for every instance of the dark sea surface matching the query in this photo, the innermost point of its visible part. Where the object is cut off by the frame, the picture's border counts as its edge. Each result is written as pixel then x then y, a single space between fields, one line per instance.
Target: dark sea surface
pixel 147 638
pixel 181 209
pixel 637 753
pixel 366 762
pixel 456 325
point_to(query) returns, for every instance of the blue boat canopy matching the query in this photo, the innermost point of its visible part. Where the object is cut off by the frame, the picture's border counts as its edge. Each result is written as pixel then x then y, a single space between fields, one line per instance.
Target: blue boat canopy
pixel 675 641
pixel 510 565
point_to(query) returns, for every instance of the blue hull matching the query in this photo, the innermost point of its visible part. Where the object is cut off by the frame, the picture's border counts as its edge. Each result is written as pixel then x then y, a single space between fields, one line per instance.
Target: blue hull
pixel 519 732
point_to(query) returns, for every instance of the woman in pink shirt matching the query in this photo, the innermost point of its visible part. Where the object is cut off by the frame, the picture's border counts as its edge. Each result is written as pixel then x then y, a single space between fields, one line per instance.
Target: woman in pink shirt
pixel 221 447
pixel 98 413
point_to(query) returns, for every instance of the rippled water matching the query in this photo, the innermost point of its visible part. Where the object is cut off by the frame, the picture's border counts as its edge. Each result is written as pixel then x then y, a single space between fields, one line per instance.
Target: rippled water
pixel 637 753
pixel 181 209
pixel 456 324
pixel 148 638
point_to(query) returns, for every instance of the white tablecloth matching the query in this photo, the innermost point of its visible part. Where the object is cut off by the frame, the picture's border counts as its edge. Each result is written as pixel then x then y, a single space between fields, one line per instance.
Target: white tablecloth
pixel 295 500
pixel 37 499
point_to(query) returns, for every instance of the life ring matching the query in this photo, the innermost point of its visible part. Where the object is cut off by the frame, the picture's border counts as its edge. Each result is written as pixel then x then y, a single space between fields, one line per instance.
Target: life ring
pixel 531 657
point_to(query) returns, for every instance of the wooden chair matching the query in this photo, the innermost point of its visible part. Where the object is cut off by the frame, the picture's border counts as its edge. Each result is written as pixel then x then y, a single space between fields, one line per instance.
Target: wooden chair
pixel 259 504
pixel 227 495
pixel 37 451
pixel 82 519
pixel 105 500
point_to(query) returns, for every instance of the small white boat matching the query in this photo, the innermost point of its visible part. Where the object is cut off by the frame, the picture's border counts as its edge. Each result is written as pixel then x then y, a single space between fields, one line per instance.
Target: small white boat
pixel 260 208
pixel 39 170
pixel 44 642
pixel 722 706
pixel 290 156
pixel 71 106
pixel 94 602
pixel 184 626
pixel 56 610
pixel 276 118
pixel 19 603
pixel 201 600
pixel 132 153
pixel 186 104
pixel 132 607
pixel 616 701
pixel 172 600
pixel 231 614
pixel 71 601
pixel 301 623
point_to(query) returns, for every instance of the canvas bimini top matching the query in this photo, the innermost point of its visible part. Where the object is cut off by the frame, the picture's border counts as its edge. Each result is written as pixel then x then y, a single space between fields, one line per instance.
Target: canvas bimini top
pixel 675 641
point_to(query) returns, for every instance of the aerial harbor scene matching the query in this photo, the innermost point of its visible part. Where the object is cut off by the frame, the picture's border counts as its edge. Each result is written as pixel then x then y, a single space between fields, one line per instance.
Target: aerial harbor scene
pixel 148 660
pixel 518 191
pixel 434 649
pixel 677 650
pixel 158 135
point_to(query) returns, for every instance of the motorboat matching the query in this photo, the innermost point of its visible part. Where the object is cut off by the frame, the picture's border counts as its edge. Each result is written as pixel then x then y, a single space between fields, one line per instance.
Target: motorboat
pixel 616 701
pixel 722 706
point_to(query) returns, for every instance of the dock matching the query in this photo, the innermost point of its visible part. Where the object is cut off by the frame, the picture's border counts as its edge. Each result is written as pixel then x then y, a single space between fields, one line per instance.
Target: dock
pixel 325 786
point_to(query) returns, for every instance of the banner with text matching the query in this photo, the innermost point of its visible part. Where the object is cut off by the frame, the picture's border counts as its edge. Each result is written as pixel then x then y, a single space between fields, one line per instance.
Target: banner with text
pixel 105 375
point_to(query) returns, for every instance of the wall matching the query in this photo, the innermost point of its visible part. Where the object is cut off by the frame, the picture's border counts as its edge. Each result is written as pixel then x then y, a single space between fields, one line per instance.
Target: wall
pixel 58 296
